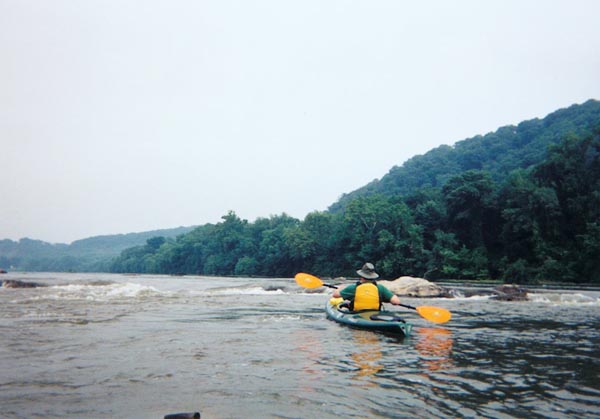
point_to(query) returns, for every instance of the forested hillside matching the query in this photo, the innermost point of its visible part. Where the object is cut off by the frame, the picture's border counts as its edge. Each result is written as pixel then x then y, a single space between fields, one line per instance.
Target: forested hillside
pixel 91 254
pixel 498 153
pixel 521 204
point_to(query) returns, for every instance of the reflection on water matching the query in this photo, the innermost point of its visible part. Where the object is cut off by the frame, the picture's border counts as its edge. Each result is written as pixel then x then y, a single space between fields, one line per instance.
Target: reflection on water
pixel 311 350
pixel 435 347
pixel 367 354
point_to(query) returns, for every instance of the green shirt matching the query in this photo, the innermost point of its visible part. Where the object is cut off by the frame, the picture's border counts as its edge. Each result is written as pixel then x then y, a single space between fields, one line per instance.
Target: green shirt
pixel 349 292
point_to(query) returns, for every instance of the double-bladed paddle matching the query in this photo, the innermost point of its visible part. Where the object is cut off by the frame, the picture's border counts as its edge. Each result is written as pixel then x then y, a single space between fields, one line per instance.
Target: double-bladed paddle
pixel 433 314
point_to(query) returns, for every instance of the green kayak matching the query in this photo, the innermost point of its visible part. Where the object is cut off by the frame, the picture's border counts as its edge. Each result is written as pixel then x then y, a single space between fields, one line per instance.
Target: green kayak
pixel 383 321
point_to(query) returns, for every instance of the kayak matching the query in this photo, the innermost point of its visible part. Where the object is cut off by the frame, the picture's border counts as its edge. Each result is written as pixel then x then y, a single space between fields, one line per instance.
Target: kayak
pixel 383 321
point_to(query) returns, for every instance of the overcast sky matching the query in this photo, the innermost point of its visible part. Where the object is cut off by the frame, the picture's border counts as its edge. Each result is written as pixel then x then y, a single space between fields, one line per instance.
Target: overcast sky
pixel 122 116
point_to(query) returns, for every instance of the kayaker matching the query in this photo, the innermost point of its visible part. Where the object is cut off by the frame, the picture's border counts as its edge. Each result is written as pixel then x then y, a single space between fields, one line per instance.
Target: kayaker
pixel 367 294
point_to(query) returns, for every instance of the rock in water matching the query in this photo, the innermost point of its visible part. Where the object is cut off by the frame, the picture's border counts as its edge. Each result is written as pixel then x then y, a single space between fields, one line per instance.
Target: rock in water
pixel 13 283
pixel 510 292
pixel 409 286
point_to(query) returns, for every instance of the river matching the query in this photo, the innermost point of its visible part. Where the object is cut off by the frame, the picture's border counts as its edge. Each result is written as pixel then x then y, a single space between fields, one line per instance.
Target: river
pixel 119 346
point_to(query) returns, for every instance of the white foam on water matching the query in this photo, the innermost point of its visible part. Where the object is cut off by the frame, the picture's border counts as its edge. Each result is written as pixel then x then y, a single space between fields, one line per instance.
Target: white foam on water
pixel 564 299
pixel 240 291
pixel 280 318
pixel 472 298
pixel 107 292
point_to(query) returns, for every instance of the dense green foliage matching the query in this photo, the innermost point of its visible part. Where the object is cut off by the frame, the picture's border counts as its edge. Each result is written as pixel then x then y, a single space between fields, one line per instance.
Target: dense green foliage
pixel 93 254
pixel 542 223
pixel 497 153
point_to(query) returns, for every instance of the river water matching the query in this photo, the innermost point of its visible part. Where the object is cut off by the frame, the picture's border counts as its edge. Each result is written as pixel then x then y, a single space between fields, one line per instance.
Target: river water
pixel 118 346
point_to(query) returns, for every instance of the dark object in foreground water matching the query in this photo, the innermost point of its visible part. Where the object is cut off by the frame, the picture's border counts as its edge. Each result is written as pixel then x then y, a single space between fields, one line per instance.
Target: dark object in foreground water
pixel 194 415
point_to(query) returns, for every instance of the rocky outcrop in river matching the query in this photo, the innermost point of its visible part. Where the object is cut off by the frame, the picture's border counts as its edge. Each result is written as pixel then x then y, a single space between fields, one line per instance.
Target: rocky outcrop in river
pixel 409 286
pixel 510 292
pixel 13 283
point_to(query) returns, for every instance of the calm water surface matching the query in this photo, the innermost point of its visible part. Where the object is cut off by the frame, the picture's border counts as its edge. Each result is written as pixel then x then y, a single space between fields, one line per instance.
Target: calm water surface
pixel 108 346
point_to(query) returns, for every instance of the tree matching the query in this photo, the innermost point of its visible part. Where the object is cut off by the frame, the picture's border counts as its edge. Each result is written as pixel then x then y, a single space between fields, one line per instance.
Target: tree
pixel 274 252
pixel 226 244
pixel 467 199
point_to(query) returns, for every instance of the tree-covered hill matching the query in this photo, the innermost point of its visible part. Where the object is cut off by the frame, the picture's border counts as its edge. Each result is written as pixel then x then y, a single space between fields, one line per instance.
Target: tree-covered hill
pixel 90 254
pixel 498 153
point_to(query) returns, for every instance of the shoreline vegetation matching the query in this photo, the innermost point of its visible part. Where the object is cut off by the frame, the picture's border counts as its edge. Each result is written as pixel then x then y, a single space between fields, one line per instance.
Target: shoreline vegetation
pixel 519 205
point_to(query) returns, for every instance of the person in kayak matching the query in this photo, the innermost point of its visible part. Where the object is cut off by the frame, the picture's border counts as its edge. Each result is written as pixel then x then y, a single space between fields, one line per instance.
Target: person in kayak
pixel 367 294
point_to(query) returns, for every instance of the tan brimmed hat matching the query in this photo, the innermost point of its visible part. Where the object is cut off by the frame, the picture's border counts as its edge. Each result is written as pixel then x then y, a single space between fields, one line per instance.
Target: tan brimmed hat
pixel 368 271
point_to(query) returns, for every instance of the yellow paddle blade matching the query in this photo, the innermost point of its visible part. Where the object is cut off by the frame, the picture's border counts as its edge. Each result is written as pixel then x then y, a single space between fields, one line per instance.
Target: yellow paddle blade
pixel 434 314
pixel 308 280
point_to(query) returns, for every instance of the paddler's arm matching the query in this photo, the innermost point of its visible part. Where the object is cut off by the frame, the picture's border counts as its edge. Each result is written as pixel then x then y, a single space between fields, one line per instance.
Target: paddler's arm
pixel 389 296
pixel 395 300
pixel 347 292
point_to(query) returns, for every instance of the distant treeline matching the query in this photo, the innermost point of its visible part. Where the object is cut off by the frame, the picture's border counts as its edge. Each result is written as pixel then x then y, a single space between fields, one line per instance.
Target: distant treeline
pixel 94 254
pixel 540 223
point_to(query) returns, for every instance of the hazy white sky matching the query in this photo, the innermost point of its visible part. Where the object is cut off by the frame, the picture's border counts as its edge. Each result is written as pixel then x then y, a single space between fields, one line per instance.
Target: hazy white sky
pixel 119 116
